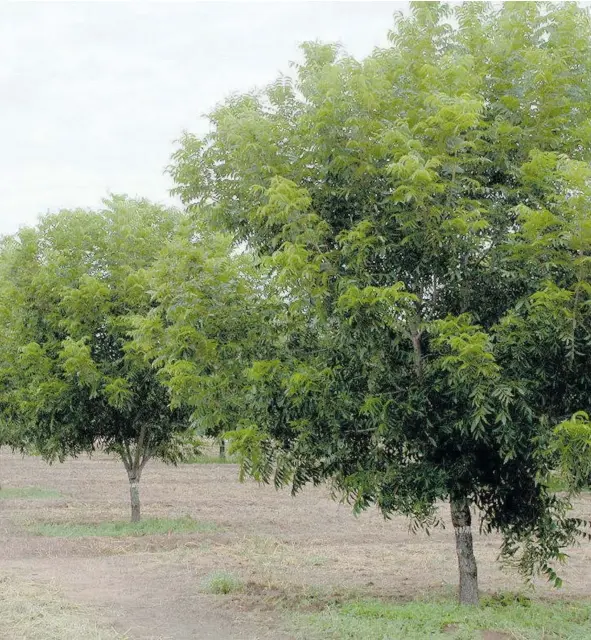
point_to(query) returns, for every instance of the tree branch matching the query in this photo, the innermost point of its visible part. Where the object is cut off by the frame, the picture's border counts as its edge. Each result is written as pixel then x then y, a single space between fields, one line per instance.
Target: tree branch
pixel 140 445
pixel 145 458
pixel 126 456
pixel 416 343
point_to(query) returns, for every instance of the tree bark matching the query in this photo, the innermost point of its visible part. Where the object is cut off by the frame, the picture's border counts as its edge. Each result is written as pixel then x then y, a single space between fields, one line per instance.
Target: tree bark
pixel 134 462
pixel 418 354
pixel 222 449
pixel 462 522
pixel 134 492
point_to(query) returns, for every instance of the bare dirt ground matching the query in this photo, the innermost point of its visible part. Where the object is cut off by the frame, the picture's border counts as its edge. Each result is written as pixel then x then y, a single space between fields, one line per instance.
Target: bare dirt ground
pixel 290 552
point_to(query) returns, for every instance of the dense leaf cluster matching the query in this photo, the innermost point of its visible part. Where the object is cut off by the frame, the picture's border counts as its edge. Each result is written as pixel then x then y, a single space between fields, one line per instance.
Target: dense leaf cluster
pixel 424 216
pixel 70 290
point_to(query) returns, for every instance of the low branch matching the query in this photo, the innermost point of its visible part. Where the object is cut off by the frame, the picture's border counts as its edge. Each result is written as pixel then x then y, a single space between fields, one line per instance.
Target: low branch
pixel 145 457
pixel 127 461
pixel 140 445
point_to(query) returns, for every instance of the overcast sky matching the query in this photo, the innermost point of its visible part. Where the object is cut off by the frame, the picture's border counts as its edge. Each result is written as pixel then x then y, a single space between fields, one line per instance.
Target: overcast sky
pixel 94 94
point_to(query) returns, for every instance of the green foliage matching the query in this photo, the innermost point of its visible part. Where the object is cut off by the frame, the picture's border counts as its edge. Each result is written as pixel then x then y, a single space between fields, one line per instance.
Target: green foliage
pixel 514 615
pixel 423 217
pixel 208 459
pixel 148 527
pixel 70 290
pixel 506 599
pixel 572 441
pixel 222 582
pixel 207 316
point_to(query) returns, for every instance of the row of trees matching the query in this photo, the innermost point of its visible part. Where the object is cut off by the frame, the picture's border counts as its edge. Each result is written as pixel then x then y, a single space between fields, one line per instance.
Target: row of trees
pixel 381 280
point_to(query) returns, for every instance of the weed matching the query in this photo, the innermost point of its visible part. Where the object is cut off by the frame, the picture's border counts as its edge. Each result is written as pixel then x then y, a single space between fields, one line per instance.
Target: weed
pixel 516 616
pixel 222 582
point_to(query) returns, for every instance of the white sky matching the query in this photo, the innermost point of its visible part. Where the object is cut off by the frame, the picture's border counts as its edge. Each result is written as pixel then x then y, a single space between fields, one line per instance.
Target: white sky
pixel 94 94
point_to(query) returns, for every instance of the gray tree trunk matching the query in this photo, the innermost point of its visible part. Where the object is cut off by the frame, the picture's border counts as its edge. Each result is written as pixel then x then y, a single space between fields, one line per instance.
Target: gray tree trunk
pixel 134 462
pixel 134 491
pixel 462 523
pixel 222 449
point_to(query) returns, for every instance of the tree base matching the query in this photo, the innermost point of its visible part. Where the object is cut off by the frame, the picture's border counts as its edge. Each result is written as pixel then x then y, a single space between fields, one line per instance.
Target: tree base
pixel 462 523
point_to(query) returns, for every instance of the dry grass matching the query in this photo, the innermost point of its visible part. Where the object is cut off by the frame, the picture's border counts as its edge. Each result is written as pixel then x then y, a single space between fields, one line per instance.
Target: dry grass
pixel 33 612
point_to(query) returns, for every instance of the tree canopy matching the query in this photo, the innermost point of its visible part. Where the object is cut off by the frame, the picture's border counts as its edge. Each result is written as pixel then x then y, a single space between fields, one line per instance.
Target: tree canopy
pixel 70 291
pixel 209 317
pixel 424 214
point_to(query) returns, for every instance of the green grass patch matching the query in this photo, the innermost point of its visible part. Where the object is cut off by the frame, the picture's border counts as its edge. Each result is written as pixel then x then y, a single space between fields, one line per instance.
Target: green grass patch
pixel 14 493
pixel 222 582
pixel 317 561
pixel 516 616
pixel 148 527
pixel 207 459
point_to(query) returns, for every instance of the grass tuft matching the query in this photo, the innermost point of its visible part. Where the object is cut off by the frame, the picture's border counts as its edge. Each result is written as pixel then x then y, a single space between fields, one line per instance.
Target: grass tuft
pixel 222 582
pixel 148 527
pixel 14 493
pixel 516 616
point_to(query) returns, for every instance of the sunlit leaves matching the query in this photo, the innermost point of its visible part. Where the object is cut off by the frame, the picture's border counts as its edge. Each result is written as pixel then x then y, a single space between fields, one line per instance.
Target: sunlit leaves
pixel 572 442
pixel 119 393
pixel 76 360
pixel 207 316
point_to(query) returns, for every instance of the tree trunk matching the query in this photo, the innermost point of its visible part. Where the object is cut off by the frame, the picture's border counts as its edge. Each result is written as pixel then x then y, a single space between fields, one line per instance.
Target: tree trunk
pixel 134 460
pixel 462 522
pixel 134 491
pixel 222 449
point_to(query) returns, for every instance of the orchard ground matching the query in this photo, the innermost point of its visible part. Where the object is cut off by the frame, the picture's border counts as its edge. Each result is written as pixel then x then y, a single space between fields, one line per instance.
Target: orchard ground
pixel 241 561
